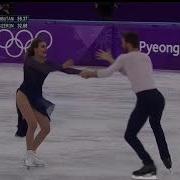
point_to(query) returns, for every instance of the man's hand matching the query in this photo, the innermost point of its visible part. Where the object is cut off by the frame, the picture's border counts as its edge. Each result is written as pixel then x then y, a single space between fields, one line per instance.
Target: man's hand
pixel 104 55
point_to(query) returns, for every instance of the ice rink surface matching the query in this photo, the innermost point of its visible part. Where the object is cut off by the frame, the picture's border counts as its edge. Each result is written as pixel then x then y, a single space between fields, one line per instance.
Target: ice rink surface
pixel 87 131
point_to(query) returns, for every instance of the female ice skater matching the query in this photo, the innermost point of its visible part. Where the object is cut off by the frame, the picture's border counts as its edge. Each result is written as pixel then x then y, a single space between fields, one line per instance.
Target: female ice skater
pixel 150 102
pixel 32 107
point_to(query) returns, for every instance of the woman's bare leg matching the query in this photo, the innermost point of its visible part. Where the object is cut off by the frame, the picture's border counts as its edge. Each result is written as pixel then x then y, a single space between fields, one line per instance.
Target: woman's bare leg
pixel 44 124
pixel 28 114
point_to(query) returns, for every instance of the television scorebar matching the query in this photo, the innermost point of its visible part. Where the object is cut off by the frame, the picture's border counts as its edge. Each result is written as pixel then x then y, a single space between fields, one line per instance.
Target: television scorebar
pixel 15 21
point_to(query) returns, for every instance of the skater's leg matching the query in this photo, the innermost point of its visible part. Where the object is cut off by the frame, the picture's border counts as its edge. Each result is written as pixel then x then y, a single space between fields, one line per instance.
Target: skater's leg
pixel 44 124
pixel 28 114
pixel 159 135
pixel 136 122
pixel 155 122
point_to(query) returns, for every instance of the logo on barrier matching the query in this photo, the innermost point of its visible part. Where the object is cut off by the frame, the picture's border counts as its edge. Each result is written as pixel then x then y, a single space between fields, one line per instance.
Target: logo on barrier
pixel 160 48
pixel 23 47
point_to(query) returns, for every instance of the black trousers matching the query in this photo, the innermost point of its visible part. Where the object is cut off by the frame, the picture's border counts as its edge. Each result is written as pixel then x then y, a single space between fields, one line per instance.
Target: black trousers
pixel 150 104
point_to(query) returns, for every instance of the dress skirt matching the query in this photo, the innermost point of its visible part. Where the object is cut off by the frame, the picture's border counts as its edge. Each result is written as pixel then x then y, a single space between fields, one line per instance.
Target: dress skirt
pixel 40 104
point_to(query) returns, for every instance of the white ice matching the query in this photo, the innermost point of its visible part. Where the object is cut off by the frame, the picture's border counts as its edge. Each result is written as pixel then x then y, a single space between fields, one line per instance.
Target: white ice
pixel 88 124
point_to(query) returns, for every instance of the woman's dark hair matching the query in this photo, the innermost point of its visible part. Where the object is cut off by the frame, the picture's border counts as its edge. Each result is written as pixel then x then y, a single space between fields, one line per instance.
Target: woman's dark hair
pixel 132 38
pixel 34 44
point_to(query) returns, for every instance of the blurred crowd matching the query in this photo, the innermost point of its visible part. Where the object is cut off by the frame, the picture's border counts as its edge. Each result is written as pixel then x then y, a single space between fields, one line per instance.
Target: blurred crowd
pixel 106 9
pixel 6 8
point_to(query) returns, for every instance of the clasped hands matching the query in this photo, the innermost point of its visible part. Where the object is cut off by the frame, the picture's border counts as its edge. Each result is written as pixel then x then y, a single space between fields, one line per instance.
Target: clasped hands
pixel 100 55
pixel 88 74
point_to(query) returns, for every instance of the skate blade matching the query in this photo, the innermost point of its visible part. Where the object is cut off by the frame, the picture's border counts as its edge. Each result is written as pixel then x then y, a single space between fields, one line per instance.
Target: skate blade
pixel 34 166
pixel 152 177
pixel 40 165
pixel 29 166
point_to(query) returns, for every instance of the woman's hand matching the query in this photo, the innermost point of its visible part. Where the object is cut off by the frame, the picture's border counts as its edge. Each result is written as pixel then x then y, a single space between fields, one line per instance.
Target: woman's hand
pixel 68 64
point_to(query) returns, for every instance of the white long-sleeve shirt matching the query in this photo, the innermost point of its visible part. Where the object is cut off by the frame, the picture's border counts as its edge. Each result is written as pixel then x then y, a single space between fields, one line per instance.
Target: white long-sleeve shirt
pixel 137 66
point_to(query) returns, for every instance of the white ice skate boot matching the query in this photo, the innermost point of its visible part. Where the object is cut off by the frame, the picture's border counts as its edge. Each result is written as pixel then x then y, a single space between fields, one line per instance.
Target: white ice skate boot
pixel 32 160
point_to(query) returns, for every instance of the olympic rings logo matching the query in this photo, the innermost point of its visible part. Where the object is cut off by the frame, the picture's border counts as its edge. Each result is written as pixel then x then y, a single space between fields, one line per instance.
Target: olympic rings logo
pixel 19 43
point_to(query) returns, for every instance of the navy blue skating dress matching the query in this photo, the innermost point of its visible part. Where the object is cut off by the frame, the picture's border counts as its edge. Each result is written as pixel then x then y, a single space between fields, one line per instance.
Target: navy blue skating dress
pixel 35 74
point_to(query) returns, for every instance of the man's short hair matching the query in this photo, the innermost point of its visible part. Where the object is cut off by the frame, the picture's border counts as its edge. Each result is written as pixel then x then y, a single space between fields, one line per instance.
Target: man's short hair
pixel 132 38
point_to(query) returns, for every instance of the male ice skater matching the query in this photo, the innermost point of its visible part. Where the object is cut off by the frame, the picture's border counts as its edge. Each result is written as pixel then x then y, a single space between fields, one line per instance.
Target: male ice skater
pixel 137 66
